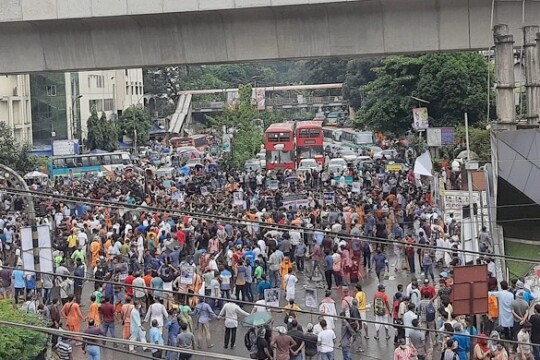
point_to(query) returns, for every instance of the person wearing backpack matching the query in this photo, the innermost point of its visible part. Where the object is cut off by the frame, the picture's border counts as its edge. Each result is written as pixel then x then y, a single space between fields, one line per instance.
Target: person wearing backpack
pixel 381 309
pixel 427 314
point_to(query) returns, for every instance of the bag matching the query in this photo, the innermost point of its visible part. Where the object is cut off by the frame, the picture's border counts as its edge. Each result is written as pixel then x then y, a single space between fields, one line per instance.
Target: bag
pixel 430 312
pixel 379 306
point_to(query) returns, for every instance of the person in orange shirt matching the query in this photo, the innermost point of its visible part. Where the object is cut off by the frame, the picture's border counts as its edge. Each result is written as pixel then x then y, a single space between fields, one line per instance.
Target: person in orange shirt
pixel 95 247
pixel 93 311
pixel 285 266
pixel 72 313
pixel 106 247
pixel 125 315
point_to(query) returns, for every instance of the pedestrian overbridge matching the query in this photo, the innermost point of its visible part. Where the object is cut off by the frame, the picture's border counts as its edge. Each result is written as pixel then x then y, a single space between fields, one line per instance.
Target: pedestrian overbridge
pixel 60 35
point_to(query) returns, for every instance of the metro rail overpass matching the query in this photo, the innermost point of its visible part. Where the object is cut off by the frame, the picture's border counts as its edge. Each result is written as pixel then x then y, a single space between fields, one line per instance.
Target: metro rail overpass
pixel 60 35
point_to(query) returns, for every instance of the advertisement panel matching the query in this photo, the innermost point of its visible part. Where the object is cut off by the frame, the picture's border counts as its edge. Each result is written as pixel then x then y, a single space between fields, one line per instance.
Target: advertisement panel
pixel 65 147
pixel 420 118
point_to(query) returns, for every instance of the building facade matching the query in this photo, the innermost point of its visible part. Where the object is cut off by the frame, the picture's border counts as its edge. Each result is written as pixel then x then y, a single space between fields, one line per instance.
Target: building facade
pixel 15 108
pixel 62 103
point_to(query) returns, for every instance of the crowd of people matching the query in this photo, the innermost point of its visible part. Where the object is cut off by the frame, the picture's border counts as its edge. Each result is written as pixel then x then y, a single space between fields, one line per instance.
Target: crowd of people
pixel 184 252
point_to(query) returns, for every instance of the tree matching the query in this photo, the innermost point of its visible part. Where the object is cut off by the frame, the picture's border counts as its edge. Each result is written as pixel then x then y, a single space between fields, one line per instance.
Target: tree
pixel 452 83
pixel 479 141
pixel 246 142
pixel 359 73
pixel 17 342
pixel 325 71
pixel 13 154
pixel 102 133
pixel 135 121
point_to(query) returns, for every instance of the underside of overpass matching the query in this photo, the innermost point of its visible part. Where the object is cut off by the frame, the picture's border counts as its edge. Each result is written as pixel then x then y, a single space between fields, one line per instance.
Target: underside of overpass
pixel 46 40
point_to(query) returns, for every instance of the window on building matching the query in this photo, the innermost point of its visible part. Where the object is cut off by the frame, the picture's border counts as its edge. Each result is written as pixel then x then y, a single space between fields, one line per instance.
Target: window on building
pixel 136 90
pixel 109 104
pixel 126 72
pixel 51 90
pixel 127 89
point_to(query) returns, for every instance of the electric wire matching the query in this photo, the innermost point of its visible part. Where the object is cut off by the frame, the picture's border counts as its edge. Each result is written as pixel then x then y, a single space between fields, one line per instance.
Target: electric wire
pixel 264 225
pixel 278 309
pixel 94 338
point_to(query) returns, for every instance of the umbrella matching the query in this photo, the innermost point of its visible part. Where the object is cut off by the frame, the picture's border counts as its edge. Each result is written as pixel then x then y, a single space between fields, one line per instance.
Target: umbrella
pixel 35 175
pixel 463 155
pixel 291 179
pixel 260 318
pixel 185 170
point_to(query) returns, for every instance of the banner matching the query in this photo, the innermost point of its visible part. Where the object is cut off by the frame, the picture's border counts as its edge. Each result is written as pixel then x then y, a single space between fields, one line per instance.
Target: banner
pixel 420 119
pixel 233 99
pixel 260 98
pixel 272 184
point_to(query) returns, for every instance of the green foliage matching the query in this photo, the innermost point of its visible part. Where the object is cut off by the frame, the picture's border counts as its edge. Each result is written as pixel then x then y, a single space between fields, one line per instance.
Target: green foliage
pixel 17 342
pixel 325 71
pixel 13 154
pixel 135 120
pixel 246 141
pixel 479 140
pixel 452 83
pixel 359 73
pixel 102 133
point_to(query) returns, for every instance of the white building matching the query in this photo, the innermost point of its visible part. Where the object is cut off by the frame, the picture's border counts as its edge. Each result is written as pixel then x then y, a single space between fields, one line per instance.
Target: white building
pixel 15 107
pixel 110 91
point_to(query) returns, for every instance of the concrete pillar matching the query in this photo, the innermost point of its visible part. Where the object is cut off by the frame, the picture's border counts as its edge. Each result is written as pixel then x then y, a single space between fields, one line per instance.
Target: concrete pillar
pixel 504 75
pixel 532 72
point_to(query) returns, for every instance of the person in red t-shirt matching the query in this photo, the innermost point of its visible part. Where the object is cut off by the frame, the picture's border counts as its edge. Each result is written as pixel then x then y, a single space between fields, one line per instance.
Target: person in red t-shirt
pixel 381 309
pixel 429 289
pixel 128 281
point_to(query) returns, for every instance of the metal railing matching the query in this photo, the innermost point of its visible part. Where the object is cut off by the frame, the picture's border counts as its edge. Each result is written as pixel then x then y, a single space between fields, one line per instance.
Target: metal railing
pixel 276 101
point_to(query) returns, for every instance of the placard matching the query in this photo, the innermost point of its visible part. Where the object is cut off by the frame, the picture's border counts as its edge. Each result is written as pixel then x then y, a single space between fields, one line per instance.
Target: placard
pixel 329 197
pixel 311 299
pixel 187 274
pixel 238 199
pixel 272 184
pixel 204 191
pixel 272 296
pixel 356 187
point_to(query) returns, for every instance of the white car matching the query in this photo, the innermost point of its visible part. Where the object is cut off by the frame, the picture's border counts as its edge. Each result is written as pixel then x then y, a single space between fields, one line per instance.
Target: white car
pixel 349 155
pixel 389 154
pixel 193 162
pixel 374 150
pixel 337 165
pixel 261 156
pixel 310 164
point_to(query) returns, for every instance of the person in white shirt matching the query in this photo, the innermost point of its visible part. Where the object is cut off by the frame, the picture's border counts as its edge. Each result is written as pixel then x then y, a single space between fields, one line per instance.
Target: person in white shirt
pixel 325 342
pixel 231 310
pixel 260 306
pixel 408 317
pixel 140 291
pixel 157 311
pixel 290 281
pixel 82 239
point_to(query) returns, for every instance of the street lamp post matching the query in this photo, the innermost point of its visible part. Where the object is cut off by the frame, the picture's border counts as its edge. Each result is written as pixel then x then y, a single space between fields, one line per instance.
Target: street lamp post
pixel 75 126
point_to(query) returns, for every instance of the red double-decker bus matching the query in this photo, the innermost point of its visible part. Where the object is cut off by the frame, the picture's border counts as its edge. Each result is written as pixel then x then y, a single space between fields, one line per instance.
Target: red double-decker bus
pixel 309 141
pixel 279 146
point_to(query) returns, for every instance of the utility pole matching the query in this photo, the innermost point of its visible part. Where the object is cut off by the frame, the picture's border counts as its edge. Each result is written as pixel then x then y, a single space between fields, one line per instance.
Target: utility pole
pixel 532 73
pixel 504 78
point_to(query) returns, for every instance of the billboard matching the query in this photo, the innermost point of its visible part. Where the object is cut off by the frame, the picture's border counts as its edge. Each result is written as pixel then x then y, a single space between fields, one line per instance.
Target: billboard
pixel 65 147
pixel 440 136
pixel 420 118
pixel 260 98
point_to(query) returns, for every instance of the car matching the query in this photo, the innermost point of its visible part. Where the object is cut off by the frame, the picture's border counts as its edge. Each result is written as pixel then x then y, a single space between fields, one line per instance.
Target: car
pixel 309 163
pixel 303 170
pixel 389 154
pixel 261 156
pixel 349 155
pixel 252 165
pixel 374 150
pixel 166 172
pixel 337 165
pixel 193 162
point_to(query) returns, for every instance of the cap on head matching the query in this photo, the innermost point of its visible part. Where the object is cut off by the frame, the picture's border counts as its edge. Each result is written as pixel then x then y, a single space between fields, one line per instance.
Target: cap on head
pixel 381 287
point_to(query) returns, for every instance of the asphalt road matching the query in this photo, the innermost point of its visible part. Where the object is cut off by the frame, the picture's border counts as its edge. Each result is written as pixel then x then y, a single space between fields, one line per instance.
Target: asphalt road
pixel 374 349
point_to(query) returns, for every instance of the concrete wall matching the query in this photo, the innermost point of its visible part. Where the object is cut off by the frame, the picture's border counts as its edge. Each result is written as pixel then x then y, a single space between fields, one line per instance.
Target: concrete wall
pixel 28 10
pixel 367 27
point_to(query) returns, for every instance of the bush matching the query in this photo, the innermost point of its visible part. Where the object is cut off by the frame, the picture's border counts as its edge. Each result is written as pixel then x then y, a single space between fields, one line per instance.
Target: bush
pixel 17 342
